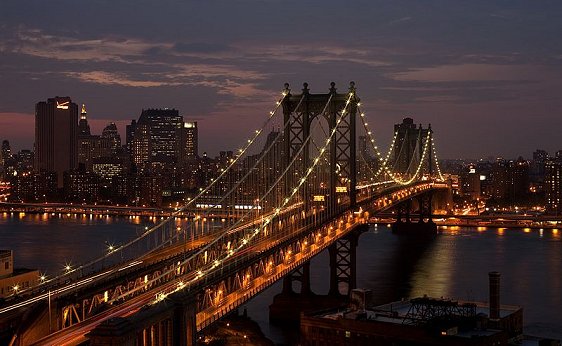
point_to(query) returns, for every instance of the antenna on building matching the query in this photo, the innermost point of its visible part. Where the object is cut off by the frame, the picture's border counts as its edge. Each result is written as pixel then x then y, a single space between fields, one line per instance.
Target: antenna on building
pixel 83 113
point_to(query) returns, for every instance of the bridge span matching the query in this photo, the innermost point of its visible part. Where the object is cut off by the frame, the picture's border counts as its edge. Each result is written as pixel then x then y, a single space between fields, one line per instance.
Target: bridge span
pixel 311 191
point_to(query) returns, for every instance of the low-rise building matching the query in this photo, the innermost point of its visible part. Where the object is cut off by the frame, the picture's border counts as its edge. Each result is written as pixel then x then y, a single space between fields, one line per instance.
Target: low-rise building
pixel 418 321
pixel 14 280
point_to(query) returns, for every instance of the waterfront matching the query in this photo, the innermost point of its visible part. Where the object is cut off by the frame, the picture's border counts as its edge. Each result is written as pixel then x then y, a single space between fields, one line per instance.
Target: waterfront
pixel 454 265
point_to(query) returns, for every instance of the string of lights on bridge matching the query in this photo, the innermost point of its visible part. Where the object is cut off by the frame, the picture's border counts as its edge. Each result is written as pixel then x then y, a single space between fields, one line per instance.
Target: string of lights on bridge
pixel 112 249
pixel 202 272
pixel 383 162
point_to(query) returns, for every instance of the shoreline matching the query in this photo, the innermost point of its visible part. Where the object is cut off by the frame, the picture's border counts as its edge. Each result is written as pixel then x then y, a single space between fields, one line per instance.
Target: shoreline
pixel 60 210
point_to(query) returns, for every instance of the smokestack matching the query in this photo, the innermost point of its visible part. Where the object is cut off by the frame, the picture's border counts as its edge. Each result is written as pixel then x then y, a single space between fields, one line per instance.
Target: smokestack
pixel 494 278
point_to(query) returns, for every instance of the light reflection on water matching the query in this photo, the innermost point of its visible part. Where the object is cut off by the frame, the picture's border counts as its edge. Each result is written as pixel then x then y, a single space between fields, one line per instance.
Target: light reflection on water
pixel 454 265
pixel 432 273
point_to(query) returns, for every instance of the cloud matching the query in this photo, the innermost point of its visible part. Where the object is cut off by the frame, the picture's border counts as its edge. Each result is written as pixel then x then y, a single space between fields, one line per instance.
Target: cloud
pixel 35 42
pixel 138 63
pixel 472 72
pixel 199 47
pixel 313 54
pixel 107 78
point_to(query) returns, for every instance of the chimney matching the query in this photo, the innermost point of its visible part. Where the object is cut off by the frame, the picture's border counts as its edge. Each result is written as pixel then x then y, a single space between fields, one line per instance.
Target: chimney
pixel 494 278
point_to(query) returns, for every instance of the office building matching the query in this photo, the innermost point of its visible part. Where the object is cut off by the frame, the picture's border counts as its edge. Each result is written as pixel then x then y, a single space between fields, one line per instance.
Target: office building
pixel 91 147
pixel 157 138
pixel 6 151
pixel 81 186
pixel 83 126
pixel 470 182
pixel 112 137
pixel 553 173
pixel 130 135
pixel 189 142
pixel 519 174
pixel 56 136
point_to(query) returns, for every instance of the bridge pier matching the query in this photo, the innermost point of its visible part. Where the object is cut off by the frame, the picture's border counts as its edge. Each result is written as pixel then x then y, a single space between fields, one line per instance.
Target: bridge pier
pixel 422 227
pixel 288 305
pixel 343 264
pixel 302 275
pixel 36 323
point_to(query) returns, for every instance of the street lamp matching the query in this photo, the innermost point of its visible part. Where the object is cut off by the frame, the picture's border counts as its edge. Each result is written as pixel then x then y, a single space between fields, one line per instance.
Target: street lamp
pixel 67 268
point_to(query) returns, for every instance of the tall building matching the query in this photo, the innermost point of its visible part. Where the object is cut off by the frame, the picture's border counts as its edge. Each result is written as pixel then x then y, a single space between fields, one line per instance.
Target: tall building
pixel 91 147
pixel 367 162
pixel 24 161
pixel 111 135
pixel 558 156
pixel 500 180
pixel 157 137
pixel 5 160
pixel 363 148
pixel 86 142
pixel 56 135
pixel 189 142
pixel 470 182
pixel 6 150
pixel 537 165
pixel 83 127
pixel 130 135
pixel 519 174
pixel 141 146
pixel 552 186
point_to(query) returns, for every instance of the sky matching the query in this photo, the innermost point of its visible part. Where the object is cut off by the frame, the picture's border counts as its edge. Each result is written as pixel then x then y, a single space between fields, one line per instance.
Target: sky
pixel 486 74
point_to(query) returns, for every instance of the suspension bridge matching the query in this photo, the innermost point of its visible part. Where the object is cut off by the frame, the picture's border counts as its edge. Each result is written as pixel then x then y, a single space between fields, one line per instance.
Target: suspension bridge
pixel 309 184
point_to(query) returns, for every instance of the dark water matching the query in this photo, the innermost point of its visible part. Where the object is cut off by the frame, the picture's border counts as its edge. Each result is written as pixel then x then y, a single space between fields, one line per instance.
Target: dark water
pixel 454 265
pixel 47 243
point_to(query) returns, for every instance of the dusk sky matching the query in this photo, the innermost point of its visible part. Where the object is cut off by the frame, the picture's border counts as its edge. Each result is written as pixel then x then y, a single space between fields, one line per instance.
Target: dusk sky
pixel 487 74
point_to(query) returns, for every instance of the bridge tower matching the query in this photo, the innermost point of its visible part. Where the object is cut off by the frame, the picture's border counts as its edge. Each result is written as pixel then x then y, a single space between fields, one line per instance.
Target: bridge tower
pixel 299 111
pixel 410 148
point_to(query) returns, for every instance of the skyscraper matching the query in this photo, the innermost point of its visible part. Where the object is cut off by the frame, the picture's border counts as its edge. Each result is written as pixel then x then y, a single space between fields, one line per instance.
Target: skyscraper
pixel 157 137
pixel 84 128
pixel 6 151
pixel 86 142
pixel 111 134
pixel 5 157
pixel 130 135
pixel 56 135
pixel 553 184
pixel 189 142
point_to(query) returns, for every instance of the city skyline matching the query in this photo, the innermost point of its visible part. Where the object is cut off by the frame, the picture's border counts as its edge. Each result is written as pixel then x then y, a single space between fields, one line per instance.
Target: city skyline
pixel 490 69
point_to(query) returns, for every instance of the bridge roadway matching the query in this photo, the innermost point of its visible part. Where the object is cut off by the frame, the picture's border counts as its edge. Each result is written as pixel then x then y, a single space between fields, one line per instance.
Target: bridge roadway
pixel 67 285
pixel 76 333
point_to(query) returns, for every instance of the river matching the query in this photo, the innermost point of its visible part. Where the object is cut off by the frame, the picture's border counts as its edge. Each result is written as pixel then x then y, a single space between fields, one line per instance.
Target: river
pixel 454 265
